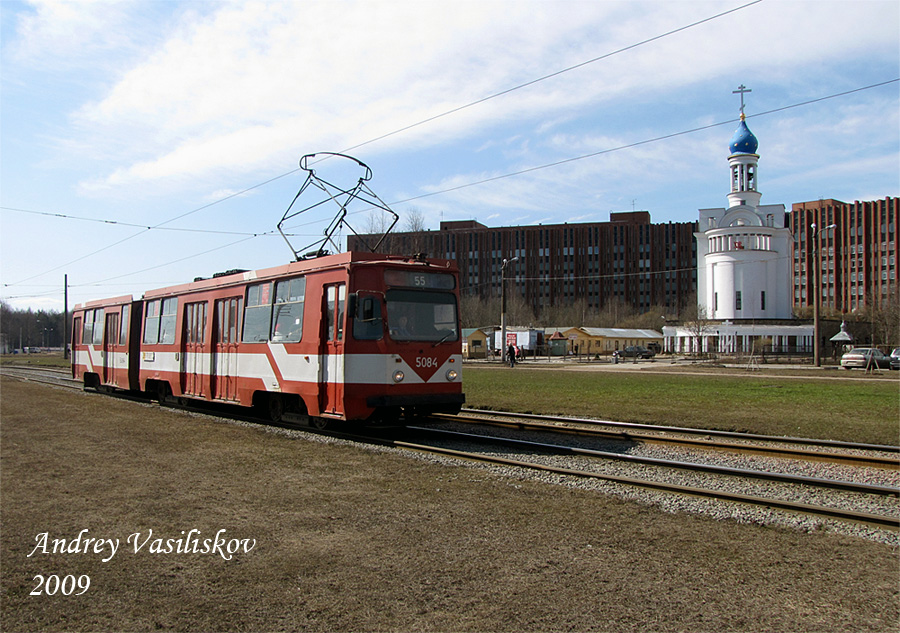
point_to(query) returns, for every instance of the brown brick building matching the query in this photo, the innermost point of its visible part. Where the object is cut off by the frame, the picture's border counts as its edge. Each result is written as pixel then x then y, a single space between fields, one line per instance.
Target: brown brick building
pixel 858 257
pixel 627 258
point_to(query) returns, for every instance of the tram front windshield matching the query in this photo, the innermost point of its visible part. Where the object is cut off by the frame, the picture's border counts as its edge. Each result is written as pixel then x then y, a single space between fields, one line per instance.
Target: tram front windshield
pixel 420 315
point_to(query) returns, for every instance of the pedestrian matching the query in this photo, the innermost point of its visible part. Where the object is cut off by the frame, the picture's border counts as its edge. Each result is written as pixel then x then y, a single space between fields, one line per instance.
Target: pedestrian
pixel 511 355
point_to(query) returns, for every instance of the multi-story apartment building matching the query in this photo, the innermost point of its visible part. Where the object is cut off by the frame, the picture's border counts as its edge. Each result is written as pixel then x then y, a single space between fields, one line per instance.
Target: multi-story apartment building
pixel 855 247
pixel 627 259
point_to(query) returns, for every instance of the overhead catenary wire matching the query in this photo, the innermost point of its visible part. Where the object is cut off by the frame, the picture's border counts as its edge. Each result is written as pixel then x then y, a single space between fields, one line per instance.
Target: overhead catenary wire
pixel 398 131
pixel 66 216
pixel 533 169
pixel 639 143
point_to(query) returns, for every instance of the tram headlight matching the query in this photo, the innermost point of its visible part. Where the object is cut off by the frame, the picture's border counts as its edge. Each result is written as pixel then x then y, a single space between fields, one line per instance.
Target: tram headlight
pixel 452 375
pixel 398 376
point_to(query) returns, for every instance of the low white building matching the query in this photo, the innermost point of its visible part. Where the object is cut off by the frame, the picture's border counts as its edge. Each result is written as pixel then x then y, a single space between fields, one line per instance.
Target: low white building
pixel 731 338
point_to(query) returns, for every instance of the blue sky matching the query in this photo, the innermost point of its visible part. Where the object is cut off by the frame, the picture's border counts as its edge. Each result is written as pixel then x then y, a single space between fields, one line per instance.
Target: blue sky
pixel 142 112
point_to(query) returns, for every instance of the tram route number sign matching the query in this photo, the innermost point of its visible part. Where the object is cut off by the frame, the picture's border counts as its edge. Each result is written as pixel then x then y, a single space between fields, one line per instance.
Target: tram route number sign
pixel 419 280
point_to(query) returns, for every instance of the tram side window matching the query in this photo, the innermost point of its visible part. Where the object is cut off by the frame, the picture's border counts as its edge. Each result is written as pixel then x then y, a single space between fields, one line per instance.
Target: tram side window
pixel 159 322
pixel 123 330
pixel 92 334
pixel 167 321
pixel 98 327
pixel 76 331
pixel 367 323
pixel 87 335
pixel 151 323
pixel 258 313
pixel 289 300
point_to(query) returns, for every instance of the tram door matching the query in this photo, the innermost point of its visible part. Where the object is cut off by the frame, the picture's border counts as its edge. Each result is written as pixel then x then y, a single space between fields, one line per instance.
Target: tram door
pixel 110 339
pixel 224 370
pixel 193 349
pixel 331 384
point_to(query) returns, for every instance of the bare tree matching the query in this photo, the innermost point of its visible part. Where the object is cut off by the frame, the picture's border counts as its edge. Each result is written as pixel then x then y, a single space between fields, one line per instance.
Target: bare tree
pixel 647 320
pixel 414 224
pixel 477 312
pixel 698 325
pixel 375 225
pixel 615 312
pixel 518 311
pixel 414 220
pixel 884 317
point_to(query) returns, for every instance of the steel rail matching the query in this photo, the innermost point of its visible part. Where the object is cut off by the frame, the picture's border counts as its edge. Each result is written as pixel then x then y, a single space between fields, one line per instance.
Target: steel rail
pixel 872 461
pixel 867 518
pixel 23 373
pixel 847 486
pixel 690 431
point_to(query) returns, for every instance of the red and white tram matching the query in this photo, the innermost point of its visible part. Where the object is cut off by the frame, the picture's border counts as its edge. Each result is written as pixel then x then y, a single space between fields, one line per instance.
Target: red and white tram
pixel 352 336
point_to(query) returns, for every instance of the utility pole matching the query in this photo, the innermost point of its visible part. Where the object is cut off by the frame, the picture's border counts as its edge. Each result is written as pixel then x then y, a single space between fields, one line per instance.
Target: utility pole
pixel 506 262
pixel 65 340
pixel 816 261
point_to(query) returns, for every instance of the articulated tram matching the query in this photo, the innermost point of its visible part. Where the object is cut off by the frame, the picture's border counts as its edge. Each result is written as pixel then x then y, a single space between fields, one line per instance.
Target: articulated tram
pixel 351 336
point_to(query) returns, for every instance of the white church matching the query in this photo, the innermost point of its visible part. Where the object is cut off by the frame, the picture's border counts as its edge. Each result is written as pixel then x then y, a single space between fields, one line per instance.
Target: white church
pixel 744 259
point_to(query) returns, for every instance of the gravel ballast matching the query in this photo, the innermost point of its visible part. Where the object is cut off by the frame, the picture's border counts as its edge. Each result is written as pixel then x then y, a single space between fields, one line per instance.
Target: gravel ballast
pixel 875 504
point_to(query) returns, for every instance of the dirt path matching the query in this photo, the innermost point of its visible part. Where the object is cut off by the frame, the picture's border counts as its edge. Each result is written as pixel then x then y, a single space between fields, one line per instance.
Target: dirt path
pixel 345 538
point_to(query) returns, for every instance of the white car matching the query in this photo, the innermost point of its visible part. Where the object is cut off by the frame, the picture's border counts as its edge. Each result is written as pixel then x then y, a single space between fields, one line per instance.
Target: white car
pixel 864 357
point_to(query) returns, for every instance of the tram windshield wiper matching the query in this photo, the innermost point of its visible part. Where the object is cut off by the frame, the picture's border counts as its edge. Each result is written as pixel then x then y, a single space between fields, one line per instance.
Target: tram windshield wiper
pixel 445 337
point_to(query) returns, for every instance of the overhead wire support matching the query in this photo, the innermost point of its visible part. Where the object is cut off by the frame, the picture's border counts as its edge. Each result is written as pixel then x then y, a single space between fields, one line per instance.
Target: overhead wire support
pixel 340 196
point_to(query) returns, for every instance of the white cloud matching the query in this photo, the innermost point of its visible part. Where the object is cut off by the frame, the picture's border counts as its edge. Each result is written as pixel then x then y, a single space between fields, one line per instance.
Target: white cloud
pixel 248 87
pixel 62 36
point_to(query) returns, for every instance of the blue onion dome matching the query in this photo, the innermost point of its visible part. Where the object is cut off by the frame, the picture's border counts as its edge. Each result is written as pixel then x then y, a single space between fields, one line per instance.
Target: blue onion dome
pixel 743 141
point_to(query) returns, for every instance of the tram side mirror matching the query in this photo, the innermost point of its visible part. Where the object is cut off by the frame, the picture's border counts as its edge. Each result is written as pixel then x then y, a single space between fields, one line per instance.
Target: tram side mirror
pixel 362 309
pixel 367 309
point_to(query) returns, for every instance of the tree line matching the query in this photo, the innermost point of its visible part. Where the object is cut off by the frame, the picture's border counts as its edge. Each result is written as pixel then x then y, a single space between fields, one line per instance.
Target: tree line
pixel 29 328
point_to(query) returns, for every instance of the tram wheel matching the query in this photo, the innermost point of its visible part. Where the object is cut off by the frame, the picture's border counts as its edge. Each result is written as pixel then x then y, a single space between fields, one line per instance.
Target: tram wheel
pixel 275 407
pixel 162 392
pixel 319 423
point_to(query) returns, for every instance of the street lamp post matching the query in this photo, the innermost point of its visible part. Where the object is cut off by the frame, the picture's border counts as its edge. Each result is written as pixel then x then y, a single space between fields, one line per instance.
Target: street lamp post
pixel 506 262
pixel 817 290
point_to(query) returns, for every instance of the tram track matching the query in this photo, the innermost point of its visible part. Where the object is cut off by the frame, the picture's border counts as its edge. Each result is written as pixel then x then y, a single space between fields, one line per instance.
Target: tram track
pixel 43 375
pixel 690 466
pixel 871 505
pixel 808 449
pixel 521 455
pixel 866 518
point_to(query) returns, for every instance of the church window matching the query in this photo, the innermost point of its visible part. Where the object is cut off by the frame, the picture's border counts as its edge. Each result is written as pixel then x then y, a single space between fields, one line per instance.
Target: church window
pixel 762 299
pixel 737 300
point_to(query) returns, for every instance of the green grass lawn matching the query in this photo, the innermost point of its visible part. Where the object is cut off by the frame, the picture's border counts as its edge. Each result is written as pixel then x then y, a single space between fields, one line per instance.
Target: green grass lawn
pixel 42 359
pixel 854 410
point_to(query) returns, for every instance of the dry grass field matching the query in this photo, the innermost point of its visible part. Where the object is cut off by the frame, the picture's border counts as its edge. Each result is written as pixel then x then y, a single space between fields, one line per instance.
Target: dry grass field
pixel 350 538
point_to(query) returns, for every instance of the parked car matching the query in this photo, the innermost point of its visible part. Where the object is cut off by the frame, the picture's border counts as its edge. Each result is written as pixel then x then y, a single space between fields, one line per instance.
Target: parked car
pixel 865 357
pixel 637 351
pixel 895 358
